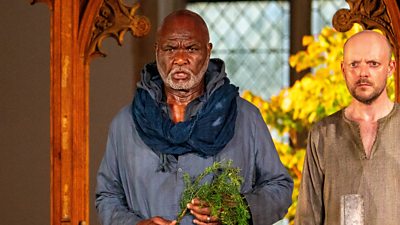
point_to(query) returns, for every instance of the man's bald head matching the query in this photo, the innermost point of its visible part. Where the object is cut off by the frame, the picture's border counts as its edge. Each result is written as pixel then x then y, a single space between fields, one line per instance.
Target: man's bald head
pixel 370 36
pixel 366 66
pixel 183 19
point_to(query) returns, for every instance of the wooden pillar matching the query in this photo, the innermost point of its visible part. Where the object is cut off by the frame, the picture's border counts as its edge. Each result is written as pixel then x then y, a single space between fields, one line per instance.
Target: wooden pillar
pixel 300 25
pixel 393 11
pixel 77 30
pixel 68 117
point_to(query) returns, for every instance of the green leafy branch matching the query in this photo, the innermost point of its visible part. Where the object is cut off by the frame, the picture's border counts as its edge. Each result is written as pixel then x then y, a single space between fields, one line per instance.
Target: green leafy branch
pixel 222 195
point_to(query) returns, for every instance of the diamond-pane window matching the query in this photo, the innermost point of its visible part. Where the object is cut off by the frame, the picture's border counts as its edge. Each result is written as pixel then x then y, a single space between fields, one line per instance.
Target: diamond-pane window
pixel 323 11
pixel 252 37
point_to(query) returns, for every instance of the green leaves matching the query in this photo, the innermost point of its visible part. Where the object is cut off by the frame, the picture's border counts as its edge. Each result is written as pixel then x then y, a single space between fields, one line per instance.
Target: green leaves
pixel 222 194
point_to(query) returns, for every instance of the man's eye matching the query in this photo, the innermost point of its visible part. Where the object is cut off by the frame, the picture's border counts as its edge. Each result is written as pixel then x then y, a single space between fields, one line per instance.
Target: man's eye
pixel 374 64
pixel 353 64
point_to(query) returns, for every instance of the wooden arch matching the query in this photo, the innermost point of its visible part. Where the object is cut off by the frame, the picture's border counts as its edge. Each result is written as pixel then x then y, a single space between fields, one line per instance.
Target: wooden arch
pixel 78 28
pixel 374 14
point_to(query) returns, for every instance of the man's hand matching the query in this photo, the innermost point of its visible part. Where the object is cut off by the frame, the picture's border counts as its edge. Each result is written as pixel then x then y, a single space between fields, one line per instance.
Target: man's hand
pixel 156 221
pixel 201 212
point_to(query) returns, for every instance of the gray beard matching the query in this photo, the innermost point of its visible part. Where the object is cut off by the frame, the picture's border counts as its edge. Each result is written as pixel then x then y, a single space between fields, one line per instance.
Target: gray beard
pixel 185 86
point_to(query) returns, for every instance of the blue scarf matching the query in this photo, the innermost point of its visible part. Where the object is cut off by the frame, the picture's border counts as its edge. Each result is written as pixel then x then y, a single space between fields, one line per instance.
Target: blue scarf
pixel 205 133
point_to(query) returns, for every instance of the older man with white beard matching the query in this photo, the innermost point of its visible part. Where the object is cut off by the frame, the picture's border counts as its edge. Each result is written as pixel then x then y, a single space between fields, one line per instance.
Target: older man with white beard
pixel 184 117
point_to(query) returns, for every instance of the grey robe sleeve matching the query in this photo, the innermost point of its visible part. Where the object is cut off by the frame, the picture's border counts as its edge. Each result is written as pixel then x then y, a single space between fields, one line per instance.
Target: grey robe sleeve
pixel 110 197
pixel 272 191
pixel 310 208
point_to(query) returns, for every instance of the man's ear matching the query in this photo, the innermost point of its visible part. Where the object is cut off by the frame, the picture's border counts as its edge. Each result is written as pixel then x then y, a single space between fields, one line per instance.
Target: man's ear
pixel 209 48
pixel 391 67
pixel 342 67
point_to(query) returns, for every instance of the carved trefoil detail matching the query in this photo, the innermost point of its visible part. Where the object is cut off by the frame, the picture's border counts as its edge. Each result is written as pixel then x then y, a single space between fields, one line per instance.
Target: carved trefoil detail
pixel 370 14
pixel 114 20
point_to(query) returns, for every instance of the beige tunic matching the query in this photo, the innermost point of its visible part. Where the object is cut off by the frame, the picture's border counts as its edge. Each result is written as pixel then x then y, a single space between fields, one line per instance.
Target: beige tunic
pixel 336 165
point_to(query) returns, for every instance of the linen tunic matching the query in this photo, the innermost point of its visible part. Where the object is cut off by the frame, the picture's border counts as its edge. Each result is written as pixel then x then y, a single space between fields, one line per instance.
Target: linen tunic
pixel 336 165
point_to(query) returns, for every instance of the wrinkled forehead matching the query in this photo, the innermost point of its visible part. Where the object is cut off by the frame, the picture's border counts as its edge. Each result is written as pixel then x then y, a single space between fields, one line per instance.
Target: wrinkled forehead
pixel 367 43
pixel 183 26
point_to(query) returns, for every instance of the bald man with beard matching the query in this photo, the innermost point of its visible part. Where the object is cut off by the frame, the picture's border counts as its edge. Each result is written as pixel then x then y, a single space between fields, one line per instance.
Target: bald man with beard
pixel 357 149
pixel 185 116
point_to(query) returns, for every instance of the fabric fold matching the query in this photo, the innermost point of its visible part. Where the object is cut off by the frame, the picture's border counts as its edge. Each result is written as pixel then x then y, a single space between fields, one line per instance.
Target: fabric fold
pixel 206 132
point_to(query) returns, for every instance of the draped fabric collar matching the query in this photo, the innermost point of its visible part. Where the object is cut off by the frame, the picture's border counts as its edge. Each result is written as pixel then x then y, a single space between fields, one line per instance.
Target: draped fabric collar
pixel 210 119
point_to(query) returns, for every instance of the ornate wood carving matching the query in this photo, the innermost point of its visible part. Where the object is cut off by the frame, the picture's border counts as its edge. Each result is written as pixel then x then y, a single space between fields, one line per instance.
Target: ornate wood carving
pixel 114 20
pixel 77 30
pixel 373 14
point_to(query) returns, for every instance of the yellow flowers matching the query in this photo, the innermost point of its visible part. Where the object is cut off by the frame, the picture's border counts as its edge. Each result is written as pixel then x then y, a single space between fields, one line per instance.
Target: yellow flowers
pixel 307 40
pixel 320 93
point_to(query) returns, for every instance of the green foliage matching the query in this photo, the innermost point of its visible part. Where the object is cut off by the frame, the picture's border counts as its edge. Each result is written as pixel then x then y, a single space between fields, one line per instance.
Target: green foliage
pixel 222 194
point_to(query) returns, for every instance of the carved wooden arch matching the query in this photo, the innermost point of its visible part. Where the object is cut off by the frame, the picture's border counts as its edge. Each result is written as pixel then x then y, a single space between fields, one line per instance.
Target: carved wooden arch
pixel 374 14
pixel 78 28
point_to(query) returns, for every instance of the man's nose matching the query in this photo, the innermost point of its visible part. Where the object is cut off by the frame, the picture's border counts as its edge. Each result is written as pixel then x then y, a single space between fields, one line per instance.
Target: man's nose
pixel 180 58
pixel 363 70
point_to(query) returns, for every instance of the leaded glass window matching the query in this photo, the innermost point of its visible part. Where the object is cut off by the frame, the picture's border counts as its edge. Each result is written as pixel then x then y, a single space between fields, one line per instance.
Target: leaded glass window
pixel 252 37
pixel 323 11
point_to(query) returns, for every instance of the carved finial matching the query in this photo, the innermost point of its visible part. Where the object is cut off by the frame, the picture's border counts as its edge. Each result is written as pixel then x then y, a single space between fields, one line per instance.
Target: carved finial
pixel 342 20
pixel 371 14
pixel 114 20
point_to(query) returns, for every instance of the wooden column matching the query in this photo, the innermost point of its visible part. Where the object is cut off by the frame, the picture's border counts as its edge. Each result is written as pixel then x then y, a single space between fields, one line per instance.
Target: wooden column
pixel 393 11
pixel 78 28
pixel 300 25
